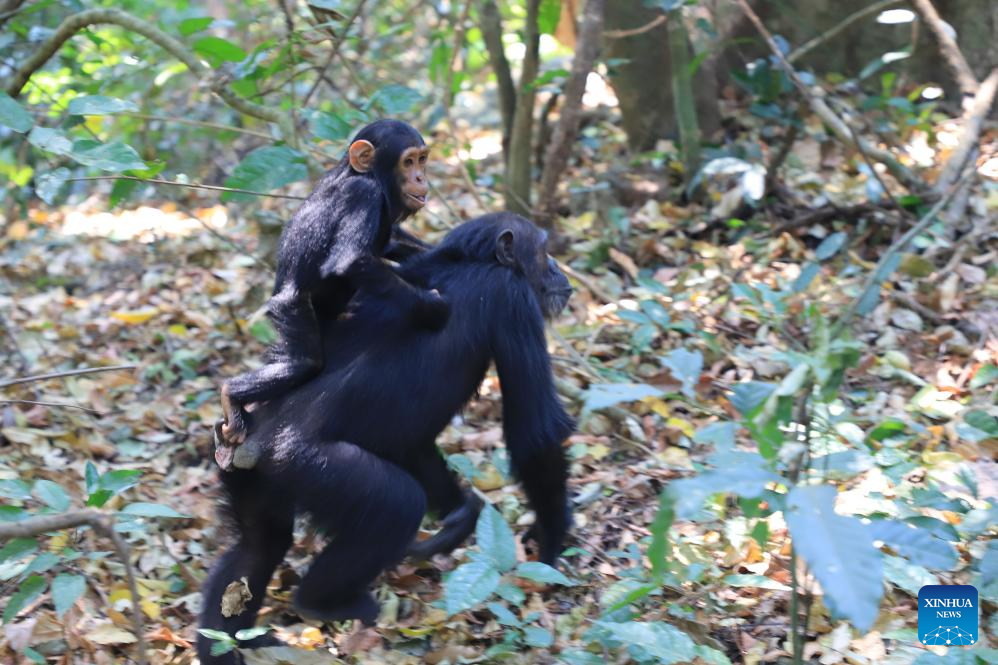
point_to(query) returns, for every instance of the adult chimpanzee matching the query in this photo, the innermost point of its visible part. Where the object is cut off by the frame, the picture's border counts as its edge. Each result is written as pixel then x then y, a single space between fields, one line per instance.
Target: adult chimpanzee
pixel 355 447
pixel 331 246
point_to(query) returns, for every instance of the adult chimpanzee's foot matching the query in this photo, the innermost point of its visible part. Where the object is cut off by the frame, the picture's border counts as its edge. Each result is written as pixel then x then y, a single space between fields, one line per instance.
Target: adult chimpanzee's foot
pixel 362 607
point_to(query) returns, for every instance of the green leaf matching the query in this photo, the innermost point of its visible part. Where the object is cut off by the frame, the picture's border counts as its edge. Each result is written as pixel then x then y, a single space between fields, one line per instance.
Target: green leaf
pixel 755 581
pixel 806 276
pixel 839 551
pixel 100 105
pixel 42 563
pixel 659 643
pixel 50 140
pixel 469 585
pixel 141 509
pixel 252 633
pixel 396 99
pixel 217 50
pixel 503 615
pixel 336 127
pixel 748 396
pixel 917 545
pixel 265 169
pixel 538 637
pixel 547 16
pixel 985 375
pixel 263 331
pixel 542 573
pixel 17 549
pixel 15 489
pixel 686 367
pixel 91 477
pixel 29 590
pixel 495 538
pixel 660 548
pixel 120 480
pixel 52 495
pixel 983 421
pixel 13 115
pixel 114 156
pixel 602 395
pixel 745 475
pixel 191 25
pixel 66 590
pixel 830 246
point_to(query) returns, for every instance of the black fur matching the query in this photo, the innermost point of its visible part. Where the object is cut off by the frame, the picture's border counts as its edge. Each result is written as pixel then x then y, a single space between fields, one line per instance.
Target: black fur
pixel 355 447
pixel 331 247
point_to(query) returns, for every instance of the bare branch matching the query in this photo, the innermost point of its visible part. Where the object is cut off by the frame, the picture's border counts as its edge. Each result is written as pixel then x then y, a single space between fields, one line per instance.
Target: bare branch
pixel 839 28
pixel 192 185
pixel 103 524
pixel 57 375
pixel 640 30
pixel 973 121
pixel 951 53
pixel 58 405
pixel 586 49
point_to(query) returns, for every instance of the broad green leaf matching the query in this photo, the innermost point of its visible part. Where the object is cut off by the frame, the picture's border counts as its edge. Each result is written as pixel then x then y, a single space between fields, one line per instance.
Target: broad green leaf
pixel 120 479
pixel 721 434
pixel 114 157
pixel 503 615
pixel 747 478
pixel 13 115
pixel 907 576
pixel 686 367
pixel 660 548
pixel 43 563
pixel 265 169
pixel 917 545
pixel 100 105
pixel 659 643
pixel 217 50
pixel 191 25
pixel 839 551
pixel 985 375
pixel 469 585
pixel 15 489
pixel 983 421
pixel 52 495
pixel 396 99
pixel 831 245
pixel 748 396
pixel 806 276
pixel 141 509
pixel 657 312
pixel 495 538
pixel 252 633
pixel 66 590
pixel 542 573
pixel 547 16
pixel 336 127
pixel 91 477
pixel 29 590
pixel 537 637
pixel 17 549
pixel 755 581
pixel 50 140
pixel 602 395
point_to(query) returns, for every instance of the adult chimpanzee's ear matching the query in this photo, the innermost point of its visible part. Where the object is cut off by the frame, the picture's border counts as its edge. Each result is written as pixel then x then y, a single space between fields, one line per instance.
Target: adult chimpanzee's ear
pixel 361 156
pixel 504 248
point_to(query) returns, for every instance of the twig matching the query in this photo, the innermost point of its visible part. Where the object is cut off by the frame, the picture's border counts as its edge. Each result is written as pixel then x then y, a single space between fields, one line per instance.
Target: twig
pixel 948 47
pixel 103 524
pixel 836 30
pixel 574 355
pixel 874 278
pixel 823 111
pixel 192 185
pixel 973 122
pixel 333 51
pixel 556 158
pixel 586 282
pixel 633 32
pixel 200 123
pixel 57 375
pixel 77 22
pixel 53 404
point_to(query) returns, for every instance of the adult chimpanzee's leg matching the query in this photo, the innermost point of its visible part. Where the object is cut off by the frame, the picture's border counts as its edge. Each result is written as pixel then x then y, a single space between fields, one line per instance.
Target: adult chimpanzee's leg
pixel 295 357
pixel 456 507
pixel 265 522
pixel 371 508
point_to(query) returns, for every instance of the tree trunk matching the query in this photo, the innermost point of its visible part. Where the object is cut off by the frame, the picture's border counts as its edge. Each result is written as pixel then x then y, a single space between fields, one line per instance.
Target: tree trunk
pixel 519 162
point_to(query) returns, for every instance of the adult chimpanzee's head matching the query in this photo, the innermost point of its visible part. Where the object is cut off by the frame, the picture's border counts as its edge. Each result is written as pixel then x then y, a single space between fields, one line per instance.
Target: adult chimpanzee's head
pixel 516 243
pixel 395 154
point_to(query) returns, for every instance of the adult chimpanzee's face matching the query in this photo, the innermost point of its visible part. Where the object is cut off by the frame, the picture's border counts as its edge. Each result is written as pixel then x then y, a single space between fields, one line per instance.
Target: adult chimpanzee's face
pixel 411 176
pixel 525 248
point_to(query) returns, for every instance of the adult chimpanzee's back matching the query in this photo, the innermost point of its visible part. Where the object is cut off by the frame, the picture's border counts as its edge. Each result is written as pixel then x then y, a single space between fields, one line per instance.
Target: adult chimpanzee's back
pixel 355 447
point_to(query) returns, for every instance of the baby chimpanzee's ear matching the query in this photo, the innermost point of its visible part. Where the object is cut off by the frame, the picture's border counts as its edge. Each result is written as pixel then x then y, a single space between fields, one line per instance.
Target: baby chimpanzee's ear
pixel 361 156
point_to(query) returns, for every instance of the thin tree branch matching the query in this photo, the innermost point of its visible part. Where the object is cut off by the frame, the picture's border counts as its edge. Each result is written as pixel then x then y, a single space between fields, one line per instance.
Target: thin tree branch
pixel 52 404
pixel 192 185
pixel 973 122
pixel 333 51
pixel 836 30
pixel 948 47
pixel 640 30
pixel 874 278
pixel 490 22
pixel 103 524
pixel 838 126
pixel 556 159
pixel 200 123
pixel 77 22
pixel 58 375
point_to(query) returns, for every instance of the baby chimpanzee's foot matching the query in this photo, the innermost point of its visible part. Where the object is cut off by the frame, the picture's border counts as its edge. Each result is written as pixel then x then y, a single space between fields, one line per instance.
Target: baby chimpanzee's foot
pixel 361 606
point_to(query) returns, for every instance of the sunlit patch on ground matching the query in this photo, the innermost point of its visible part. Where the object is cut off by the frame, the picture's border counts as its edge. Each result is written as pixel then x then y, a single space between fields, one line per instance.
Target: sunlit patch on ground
pixel 144 224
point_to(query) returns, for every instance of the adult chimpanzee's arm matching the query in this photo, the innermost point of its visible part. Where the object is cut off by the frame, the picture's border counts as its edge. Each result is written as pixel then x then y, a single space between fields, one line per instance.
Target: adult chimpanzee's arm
pixel 456 507
pixel 404 245
pixel 534 422
pixel 356 257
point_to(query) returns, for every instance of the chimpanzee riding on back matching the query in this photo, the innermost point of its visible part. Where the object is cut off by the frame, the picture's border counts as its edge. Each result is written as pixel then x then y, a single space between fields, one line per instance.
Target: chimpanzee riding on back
pixel 332 246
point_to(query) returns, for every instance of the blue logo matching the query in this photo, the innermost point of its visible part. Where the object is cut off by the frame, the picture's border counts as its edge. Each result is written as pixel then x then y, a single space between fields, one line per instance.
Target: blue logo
pixel 947 614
